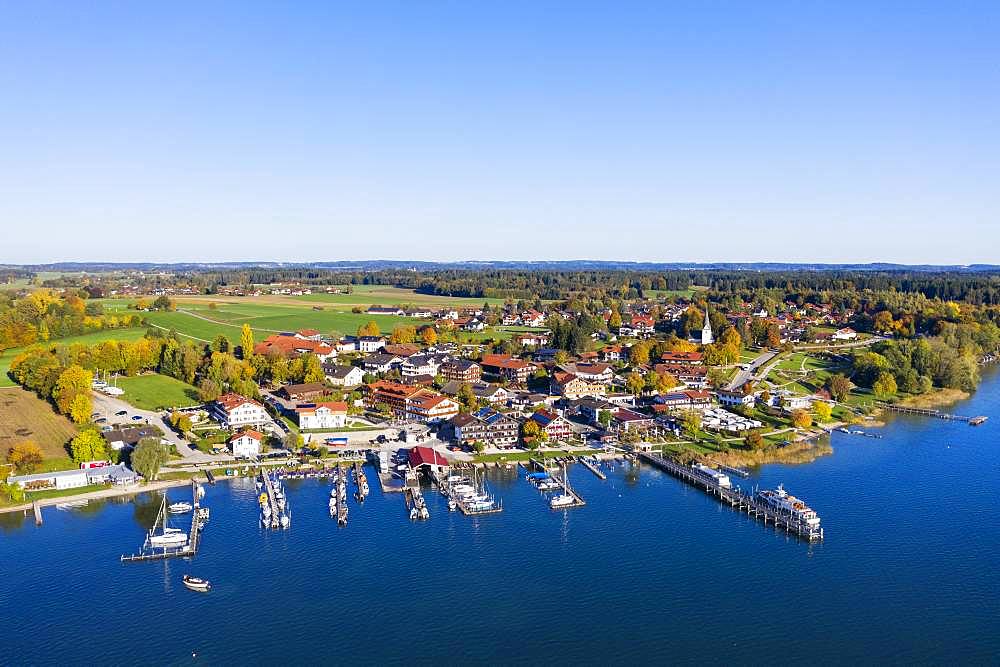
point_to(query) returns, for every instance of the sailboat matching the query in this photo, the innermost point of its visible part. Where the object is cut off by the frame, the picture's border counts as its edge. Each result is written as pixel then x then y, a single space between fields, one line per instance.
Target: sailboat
pixel 564 499
pixel 169 537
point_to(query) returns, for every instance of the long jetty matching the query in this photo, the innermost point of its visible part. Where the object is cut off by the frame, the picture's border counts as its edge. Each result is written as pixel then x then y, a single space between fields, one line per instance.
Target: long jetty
pixel 937 414
pixel 736 498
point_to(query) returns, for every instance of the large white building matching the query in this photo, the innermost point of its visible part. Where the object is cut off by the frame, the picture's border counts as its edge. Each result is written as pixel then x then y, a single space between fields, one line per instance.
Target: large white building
pixel 707 338
pixel 321 415
pixel 233 411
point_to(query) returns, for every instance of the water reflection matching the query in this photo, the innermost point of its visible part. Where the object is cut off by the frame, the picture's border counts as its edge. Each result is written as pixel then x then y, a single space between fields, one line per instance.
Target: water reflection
pixel 12 521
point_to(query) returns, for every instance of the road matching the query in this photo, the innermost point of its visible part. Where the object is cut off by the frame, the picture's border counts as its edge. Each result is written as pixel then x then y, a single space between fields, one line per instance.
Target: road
pixel 749 372
pixel 108 406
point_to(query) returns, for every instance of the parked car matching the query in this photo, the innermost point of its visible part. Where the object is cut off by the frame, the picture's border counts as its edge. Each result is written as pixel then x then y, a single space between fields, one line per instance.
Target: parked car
pixel 121 413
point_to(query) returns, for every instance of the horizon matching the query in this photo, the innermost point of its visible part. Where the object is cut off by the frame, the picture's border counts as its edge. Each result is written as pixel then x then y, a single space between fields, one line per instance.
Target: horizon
pixel 643 132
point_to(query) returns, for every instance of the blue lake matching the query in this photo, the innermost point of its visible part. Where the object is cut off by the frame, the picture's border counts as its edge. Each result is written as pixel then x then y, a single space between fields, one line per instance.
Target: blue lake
pixel 649 570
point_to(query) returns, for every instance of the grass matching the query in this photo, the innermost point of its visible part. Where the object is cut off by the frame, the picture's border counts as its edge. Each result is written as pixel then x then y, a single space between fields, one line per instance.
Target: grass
pixel 24 416
pixel 87 339
pixel 60 493
pixel 156 392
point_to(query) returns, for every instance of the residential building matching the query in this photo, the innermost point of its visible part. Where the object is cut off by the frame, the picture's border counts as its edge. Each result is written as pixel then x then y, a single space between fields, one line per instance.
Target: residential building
pixel 344 376
pixel 463 370
pixel 369 344
pixel 488 426
pixel 385 310
pixel 555 427
pixel 683 358
pixel 381 363
pixel 505 367
pixel 303 392
pixel 246 444
pixel 233 411
pixel 293 345
pixel 422 364
pixel 327 415
pixel 573 386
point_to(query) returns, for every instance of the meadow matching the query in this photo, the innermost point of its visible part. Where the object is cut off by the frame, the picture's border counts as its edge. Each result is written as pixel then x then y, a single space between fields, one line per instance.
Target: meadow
pixel 153 391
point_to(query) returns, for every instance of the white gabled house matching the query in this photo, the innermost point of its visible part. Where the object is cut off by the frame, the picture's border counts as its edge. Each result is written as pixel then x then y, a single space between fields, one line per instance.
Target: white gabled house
pixel 246 444
pixel 233 411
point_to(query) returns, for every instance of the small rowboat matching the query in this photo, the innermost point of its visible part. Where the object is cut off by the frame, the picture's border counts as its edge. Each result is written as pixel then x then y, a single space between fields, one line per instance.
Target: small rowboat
pixel 196 584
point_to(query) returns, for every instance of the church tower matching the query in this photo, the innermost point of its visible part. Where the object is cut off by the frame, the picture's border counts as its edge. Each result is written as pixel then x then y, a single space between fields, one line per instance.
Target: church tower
pixel 706 331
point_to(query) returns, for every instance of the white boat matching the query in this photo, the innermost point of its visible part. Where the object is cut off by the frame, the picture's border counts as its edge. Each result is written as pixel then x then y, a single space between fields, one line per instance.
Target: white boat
pixel 171 537
pixel 561 500
pixel 285 521
pixel 711 475
pixel 783 502
pixel 452 505
pixel 201 492
pixel 413 514
pixel 179 508
pixel 424 514
pixel 196 584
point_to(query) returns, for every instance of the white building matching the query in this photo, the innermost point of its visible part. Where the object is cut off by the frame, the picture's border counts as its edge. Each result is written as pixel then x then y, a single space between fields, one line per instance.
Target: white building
pixel 707 338
pixel 322 415
pixel 234 411
pixel 344 376
pixel 246 445
pixel 369 344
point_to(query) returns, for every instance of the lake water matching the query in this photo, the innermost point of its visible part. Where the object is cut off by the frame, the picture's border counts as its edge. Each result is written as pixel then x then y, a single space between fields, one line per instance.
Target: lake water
pixel 650 570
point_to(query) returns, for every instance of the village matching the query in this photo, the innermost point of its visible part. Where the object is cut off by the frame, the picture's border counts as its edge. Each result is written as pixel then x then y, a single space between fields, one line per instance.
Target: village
pixel 639 388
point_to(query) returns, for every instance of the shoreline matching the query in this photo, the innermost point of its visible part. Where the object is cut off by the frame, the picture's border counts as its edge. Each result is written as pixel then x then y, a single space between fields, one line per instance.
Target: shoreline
pixel 98 495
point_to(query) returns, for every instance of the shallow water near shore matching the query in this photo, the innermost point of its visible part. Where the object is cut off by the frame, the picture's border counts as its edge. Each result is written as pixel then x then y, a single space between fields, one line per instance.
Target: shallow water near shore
pixel 649 570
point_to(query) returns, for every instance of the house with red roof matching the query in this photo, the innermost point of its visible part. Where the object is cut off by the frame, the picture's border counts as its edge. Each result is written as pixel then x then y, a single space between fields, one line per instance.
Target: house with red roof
pixel 246 444
pixel 235 411
pixel 331 414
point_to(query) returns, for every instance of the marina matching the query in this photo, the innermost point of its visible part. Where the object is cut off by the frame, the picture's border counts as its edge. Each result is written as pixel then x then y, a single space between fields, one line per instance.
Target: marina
pixel 164 542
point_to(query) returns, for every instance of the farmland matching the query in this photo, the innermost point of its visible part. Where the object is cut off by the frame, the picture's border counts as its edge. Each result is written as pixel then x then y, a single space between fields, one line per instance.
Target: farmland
pixel 24 416
pixel 155 392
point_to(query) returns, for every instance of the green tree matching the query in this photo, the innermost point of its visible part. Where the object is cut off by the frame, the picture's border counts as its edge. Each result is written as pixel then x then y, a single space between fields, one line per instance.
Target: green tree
pixel 754 440
pixel 88 445
pixel 885 385
pixel 148 456
pixel 839 387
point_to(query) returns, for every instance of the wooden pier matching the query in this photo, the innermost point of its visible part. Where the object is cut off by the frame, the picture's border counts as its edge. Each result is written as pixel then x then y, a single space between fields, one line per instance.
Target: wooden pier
pixel 38 512
pixel 936 414
pixel 189 550
pixel 736 499
pixel 592 468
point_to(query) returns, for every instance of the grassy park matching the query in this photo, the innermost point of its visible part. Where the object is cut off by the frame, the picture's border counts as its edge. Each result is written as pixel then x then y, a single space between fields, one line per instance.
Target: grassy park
pixel 153 391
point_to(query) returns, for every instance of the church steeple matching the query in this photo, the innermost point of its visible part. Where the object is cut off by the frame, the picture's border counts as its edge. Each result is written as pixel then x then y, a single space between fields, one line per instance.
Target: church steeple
pixel 706 331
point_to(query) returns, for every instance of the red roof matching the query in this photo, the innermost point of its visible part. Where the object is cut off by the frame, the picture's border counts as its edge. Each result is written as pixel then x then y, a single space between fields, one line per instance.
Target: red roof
pixel 256 435
pixel 426 456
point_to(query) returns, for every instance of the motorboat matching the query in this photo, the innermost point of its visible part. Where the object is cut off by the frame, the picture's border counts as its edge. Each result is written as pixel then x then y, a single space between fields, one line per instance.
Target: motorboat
pixel 171 537
pixel 285 521
pixel 196 584
pixel 180 508
pixel 413 514
pixel 452 505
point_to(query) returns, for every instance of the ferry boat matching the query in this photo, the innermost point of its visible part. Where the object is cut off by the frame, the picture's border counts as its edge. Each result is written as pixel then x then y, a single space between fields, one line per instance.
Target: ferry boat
pixel 781 501
pixel 179 508
pixel 196 584
pixel 171 537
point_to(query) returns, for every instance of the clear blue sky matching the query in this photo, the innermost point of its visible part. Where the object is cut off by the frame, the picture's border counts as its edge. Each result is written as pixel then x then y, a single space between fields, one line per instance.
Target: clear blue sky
pixel 742 131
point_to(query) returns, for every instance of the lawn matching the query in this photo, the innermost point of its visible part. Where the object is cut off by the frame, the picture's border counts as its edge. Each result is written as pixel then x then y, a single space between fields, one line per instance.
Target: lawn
pixel 87 339
pixel 157 392
pixel 24 416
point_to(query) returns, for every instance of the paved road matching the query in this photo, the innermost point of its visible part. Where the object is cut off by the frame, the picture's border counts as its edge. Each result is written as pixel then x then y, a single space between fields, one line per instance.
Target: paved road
pixel 108 406
pixel 749 372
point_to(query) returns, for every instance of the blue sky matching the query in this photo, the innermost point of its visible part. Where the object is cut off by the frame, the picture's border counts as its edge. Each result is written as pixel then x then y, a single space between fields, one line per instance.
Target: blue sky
pixel 702 131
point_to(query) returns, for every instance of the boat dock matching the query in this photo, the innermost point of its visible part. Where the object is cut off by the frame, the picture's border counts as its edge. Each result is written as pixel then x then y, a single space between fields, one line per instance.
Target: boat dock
pixel 189 550
pixel 592 468
pixel 38 512
pixel 736 498
pixel 937 414
pixel 563 481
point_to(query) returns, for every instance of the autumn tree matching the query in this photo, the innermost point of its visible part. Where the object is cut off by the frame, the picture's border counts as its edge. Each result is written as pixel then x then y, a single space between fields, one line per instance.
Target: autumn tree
pixel 801 419
pixel 246 341
pixel 823 411
pixel 25 456
pixel 754 440
pixel 72 393
pixel 428 336
pixel 88 445
pixel 369 329
pixel 839 387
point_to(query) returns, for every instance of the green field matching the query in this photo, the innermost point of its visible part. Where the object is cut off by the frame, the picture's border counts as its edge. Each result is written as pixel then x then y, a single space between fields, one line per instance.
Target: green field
pixel 203 323
pixel 156 392
pixel 87 339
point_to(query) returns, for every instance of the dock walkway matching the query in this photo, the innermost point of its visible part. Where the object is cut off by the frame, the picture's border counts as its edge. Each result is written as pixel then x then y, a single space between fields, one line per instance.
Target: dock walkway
pixel 937 414
pixel 736 499
pixel 189 550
